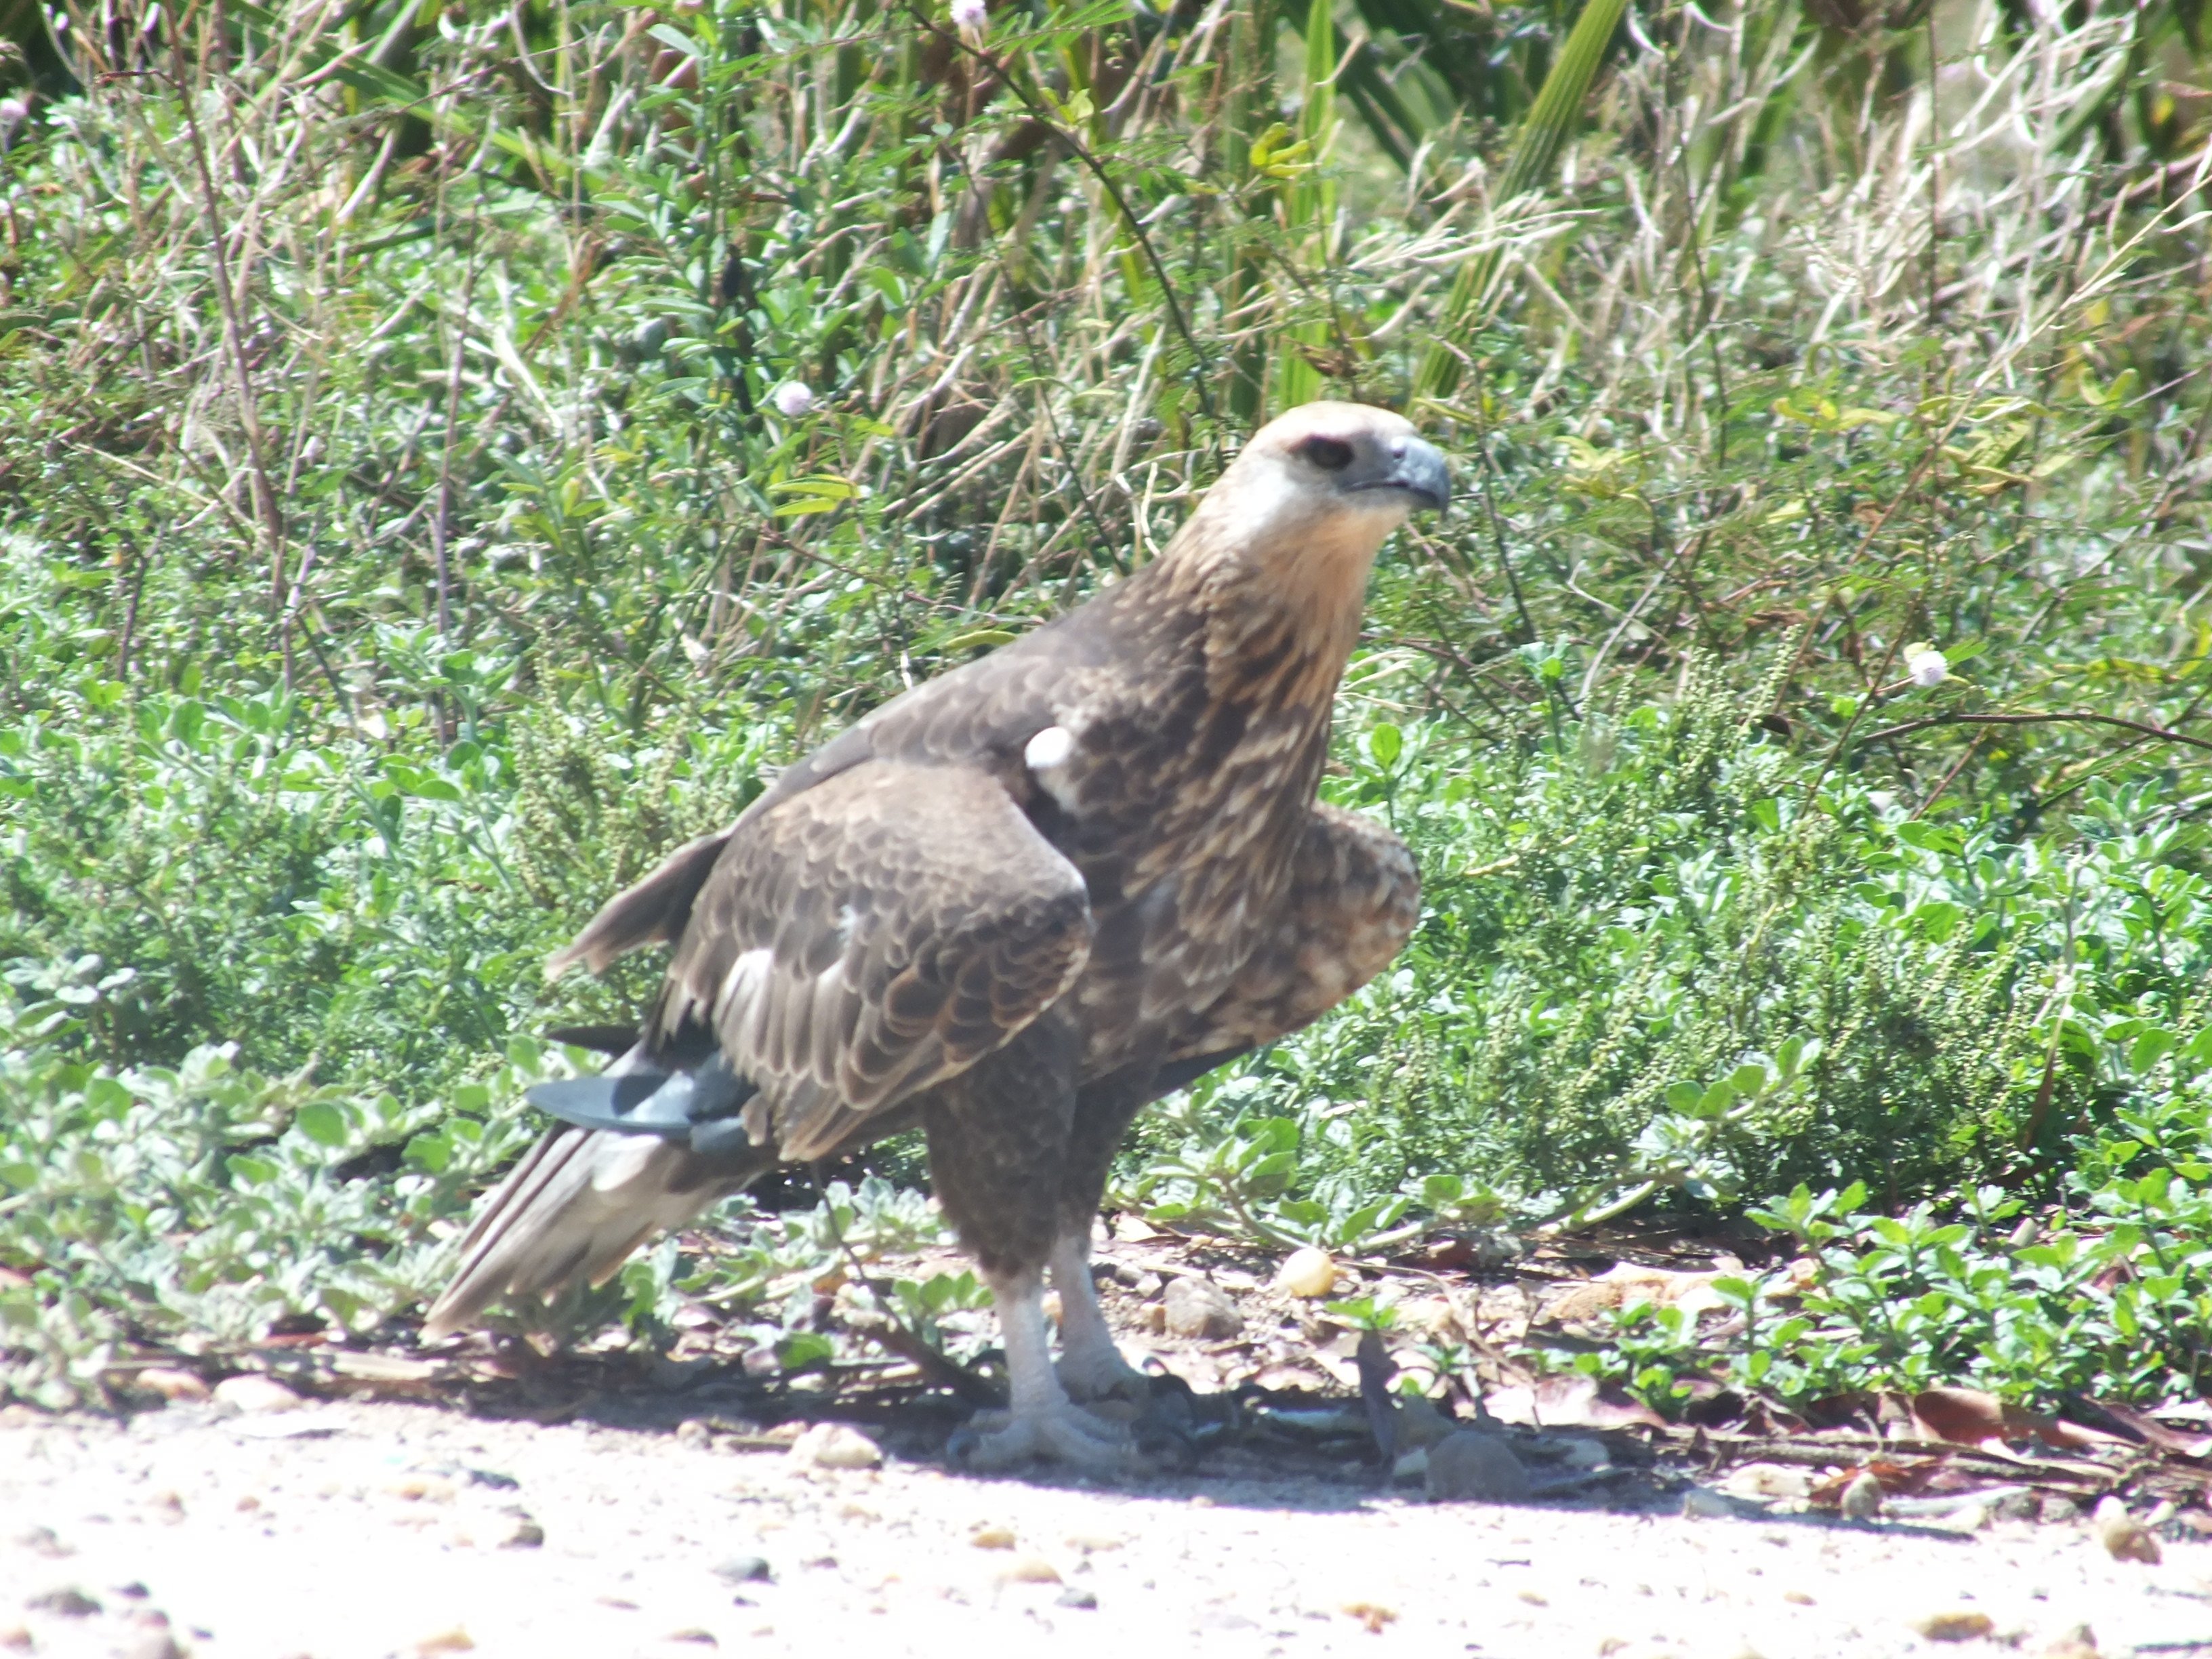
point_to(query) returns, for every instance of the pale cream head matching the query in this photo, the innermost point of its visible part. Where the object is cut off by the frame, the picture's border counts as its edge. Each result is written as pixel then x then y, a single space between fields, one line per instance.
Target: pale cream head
pixel 1322 485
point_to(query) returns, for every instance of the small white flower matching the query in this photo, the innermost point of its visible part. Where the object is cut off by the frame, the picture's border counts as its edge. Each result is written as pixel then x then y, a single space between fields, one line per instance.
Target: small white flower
pixel 793 400
pixel 1925 666
pixel 970 14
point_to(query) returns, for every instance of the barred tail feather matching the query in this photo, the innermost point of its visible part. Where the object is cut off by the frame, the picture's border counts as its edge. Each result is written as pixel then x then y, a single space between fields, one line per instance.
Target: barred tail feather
pixel 573 1209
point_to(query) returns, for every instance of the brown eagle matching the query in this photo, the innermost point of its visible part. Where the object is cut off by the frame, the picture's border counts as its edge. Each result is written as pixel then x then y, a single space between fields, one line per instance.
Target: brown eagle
pixel 1013 906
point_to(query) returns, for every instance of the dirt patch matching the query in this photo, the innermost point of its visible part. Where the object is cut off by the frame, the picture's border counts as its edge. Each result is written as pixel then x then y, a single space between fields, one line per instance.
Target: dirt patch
pixel 378 1529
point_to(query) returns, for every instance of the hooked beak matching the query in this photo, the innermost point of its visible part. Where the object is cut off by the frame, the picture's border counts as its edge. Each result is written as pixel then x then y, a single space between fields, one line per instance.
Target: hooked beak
pixel 1418 468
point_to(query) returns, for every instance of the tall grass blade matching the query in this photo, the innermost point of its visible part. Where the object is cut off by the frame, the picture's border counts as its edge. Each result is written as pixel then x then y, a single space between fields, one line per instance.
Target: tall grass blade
pixel 1550 119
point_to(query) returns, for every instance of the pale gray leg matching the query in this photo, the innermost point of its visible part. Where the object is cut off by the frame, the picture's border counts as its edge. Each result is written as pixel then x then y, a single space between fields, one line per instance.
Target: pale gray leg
pixel 1091 1364
pixel 1040 1421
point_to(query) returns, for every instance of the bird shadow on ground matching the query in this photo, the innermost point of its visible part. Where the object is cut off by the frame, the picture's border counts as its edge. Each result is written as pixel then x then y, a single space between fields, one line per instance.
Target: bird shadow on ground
pixel 1283 1449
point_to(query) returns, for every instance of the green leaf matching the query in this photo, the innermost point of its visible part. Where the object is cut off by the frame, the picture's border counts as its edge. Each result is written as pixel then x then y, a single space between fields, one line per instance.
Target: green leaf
pixel 322 1123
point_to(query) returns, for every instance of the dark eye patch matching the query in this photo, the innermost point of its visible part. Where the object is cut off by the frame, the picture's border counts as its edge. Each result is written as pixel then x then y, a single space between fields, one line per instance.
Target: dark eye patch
pixel 1329 454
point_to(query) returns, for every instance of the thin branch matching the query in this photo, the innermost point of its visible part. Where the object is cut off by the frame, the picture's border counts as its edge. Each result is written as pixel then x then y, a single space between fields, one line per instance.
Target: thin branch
pixel 1039 114
pixel 2079 716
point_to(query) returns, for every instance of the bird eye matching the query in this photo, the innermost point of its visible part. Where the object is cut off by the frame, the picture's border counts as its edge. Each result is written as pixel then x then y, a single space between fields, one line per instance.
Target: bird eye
pixel 1329 454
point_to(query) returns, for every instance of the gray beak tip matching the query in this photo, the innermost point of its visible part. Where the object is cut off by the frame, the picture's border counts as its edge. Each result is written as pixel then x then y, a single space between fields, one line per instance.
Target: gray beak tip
pixel 1421 472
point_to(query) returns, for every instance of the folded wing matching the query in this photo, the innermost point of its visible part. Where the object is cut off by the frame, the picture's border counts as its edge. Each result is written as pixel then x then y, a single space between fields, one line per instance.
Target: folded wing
pixel 852 945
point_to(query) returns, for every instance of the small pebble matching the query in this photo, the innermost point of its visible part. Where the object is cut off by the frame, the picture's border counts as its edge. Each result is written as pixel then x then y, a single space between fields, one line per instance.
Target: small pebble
pixel 255 1393
pixel 1861 1499
pixel 1197 1307
pixel 15 1637
pixel 1075 1598
pixel 1467 1465
pixel 1960 1627
pixel 1768 1480
pixel 2080 1643
pixel 41 1540
pixel 67 1602
pixel 456 1640
pixel 153 1644
pixel 1420 1424
pixel 705 1639
pixel 2125 1538
pixel 1310 1273
pixel 743 1570
pixel 1030 1570
pixel 422 1488
pixel 992 1538
pixel 526 1535
pixel 836 1446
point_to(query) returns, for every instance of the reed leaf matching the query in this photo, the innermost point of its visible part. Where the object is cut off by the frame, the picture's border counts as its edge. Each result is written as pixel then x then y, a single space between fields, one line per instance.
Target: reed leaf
pixel 1550 119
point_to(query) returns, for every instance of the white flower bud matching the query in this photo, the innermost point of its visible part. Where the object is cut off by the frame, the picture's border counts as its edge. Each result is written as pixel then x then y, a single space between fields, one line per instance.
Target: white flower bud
pixel 970 13
pixel 1925 666
pixel 793 400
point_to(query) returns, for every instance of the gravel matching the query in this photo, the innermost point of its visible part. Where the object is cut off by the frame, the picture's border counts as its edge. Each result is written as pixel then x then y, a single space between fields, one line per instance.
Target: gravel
pixel 382 1532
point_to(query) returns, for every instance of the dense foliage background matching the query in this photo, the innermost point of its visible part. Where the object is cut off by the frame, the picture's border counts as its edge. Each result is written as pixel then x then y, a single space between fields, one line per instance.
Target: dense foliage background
pixel 450 454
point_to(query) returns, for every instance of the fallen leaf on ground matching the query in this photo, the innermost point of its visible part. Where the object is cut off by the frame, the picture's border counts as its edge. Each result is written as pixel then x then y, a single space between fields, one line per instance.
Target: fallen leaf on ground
pixel 1569 1401
pixel 1894 1479
pixel 1971 1417
pixel 1965 1417
pixel 1626 1283
pixel 1373 1614
pixel 2150 1430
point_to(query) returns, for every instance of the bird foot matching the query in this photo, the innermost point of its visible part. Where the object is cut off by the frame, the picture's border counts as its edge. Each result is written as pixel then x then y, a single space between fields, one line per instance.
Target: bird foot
pixel 1061 1433
pixel 1097 1374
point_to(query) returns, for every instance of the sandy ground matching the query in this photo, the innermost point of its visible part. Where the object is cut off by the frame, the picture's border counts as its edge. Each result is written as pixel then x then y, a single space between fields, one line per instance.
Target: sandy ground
pixel 403 1529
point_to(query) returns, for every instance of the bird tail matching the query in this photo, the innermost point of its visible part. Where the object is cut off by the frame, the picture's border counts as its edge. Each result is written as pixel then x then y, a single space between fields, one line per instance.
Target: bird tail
pixel 583 1198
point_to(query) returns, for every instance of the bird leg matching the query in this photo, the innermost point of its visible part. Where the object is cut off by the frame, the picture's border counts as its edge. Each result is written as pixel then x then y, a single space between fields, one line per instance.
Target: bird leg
pixel 1091 1364
pixel 1040 1421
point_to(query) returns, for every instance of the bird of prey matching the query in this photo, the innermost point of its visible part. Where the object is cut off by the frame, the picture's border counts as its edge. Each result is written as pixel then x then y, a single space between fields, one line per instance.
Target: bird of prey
pixel 1012 906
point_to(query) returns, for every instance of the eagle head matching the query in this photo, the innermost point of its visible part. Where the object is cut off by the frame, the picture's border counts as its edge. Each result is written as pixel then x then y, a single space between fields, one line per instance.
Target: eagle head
pixel 1327 458
pixel 1311 498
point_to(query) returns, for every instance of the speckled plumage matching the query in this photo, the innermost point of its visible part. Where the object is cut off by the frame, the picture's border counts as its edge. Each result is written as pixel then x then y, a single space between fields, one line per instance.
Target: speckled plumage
pixel 1023 900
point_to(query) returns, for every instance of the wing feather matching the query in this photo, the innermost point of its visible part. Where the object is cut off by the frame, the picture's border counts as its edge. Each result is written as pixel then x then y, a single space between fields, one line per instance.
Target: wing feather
pixel 871 936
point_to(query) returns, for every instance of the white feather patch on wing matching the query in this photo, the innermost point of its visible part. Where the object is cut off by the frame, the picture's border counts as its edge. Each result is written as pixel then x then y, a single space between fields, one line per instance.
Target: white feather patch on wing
pixel 1047 755
pixel 742 984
